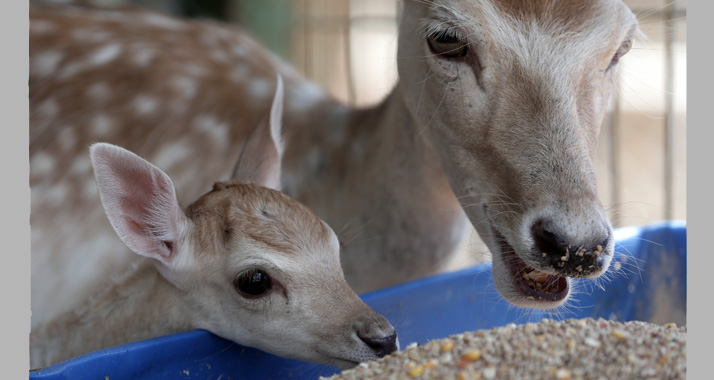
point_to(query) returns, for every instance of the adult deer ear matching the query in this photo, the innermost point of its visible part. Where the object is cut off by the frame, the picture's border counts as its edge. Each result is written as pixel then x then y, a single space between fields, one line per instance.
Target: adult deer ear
pixel 139 200
pixel 259 162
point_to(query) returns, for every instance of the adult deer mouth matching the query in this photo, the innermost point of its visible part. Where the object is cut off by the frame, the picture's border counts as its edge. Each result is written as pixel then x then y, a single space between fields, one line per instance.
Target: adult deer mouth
pixel 534 285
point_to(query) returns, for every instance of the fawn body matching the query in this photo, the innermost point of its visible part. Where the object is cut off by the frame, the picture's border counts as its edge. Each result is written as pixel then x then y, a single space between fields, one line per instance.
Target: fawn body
pixel 244 261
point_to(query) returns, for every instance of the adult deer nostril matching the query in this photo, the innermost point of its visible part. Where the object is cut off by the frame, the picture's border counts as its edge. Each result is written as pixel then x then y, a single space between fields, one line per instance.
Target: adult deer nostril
pixel 546 241
pixel 381 346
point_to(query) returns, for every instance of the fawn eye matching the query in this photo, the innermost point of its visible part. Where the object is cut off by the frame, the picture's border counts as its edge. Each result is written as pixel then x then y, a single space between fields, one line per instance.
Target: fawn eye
pixel 253 283
pixel 624 48
pixel 447 43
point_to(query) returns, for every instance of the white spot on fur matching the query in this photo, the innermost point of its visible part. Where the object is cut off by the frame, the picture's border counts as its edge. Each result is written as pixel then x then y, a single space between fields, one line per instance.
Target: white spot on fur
pixel 56 194
pixel 305 96
pixel 66 138
pixel 219 56
pixel 40 27
pixel 186 85
pixel 240 74
pixel 239 51
pixel 170 155
pixel 46 62
pixel 80 167
pixel 260 88
pixel 92 35
pixel 144 105
pixel 209 124
pixel 195 70
pixel 48 109
pixel 160 21
pixel 41 164
pixel 98 91
pixel 71 70
pixel 105 54
pixel 143 57
pixel 102 124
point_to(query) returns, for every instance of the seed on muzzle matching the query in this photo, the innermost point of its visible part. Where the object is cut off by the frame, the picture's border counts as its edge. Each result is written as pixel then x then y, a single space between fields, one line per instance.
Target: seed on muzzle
pixel 539 281
pixel 537 276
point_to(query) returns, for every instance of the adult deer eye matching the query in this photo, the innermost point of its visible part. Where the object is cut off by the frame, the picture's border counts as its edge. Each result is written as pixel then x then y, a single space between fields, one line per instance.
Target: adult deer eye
pixel 253 283
pixel 624 48
pixel 447 44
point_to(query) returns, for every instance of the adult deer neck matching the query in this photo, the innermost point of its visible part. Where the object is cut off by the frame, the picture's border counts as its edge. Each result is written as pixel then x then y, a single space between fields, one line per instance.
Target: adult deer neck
pixel 339 146
pixel 399 146
pixel 141 305
pixel 370 170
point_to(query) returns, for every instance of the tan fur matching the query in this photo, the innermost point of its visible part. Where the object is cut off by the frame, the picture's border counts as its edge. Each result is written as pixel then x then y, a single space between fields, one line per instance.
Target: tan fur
pixel 244 261
pixel 112 318
pixel 274 219
pixel 310 312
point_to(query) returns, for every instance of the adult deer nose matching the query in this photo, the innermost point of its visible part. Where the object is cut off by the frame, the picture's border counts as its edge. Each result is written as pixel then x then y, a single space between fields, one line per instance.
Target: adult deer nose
pixel 381 346
pixel 575 256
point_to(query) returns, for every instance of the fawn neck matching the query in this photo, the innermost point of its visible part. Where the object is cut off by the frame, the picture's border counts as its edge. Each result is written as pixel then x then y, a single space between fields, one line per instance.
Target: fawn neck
pixel 139 306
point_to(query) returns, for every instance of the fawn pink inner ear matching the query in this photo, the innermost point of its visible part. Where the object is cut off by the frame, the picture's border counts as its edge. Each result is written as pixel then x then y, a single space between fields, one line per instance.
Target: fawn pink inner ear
pixel 150 214
pixel 142 235
pixel 140 202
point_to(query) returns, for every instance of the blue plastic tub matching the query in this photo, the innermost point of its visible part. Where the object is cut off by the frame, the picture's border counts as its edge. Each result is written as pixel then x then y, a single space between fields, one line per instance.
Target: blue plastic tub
pixel 650 286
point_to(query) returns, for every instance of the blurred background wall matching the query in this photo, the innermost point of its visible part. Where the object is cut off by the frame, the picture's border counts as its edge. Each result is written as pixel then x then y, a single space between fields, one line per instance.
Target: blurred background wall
pixel 349 48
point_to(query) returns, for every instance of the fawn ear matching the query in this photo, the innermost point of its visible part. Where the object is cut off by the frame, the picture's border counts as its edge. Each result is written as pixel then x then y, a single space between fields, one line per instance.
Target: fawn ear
pixel 259 162
pixel 139 200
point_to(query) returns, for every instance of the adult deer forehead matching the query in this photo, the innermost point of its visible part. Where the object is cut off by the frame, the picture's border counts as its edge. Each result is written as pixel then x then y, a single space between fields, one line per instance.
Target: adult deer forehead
pixel 572 14
pixel 581 27
pixel 237 212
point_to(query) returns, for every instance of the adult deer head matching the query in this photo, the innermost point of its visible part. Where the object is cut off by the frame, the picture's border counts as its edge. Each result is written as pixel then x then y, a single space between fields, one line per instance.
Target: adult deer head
pixel 511 95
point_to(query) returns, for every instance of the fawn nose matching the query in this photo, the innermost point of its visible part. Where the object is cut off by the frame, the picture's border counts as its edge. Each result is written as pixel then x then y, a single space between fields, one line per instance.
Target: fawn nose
pixel 574 256
pixel 381 346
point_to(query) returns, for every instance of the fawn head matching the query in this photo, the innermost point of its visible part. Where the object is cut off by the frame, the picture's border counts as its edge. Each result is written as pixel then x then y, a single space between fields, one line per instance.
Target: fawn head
pixel 255 266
